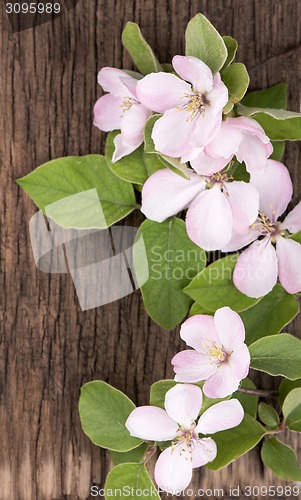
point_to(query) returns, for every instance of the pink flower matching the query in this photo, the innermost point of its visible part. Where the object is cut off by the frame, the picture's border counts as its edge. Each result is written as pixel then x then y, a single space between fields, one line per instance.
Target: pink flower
pixel 242 137
pixel 220 357
pixel 120 109
pixel 217 206
pixel 173 470
pixel 272 252
pixel 192 111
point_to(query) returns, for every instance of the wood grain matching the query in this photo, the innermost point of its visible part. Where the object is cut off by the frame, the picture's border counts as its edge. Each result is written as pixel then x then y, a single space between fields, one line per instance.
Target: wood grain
pixel 49 348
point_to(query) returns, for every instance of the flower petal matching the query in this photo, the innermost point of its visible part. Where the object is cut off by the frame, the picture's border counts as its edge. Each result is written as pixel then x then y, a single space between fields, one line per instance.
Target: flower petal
pixel 221 416
pixel 162 91
pixel 151 423
pixel 244 202
pixel 122 148
pixel 173 470
pixel 256 270
pixel 289 263
pixel 172 133
pixel 206 126
pixel 292 221
pixel 250 126
pixel 222 383
pixel 240 361
pixel 218 96
pixel 108 113
pixel 113 80
pixel 205 165
pixel 195 71
pixel 191 366
pixel 226 142
pixel 198 330
pixel 253 152
pixel 239 241
pixel 204 451
pixel 209 220
pixel 133 124
pixel 183 403
pixel 165 194
pixel 275 188
pixel 230 328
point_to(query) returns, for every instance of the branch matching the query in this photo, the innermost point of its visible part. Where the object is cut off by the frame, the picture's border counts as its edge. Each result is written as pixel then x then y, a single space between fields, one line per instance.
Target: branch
pixel 258 392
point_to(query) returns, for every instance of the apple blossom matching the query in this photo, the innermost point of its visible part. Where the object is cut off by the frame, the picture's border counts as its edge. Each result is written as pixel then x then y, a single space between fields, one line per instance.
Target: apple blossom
pixel 221 357
pixel 217 205
pixel 120 109
pixel 272 252
pixel 178 423
pixel 242 137
pixel 192 111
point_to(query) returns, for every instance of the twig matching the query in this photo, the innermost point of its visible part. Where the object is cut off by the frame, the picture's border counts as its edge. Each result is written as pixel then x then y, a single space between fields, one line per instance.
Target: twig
pixel 258 392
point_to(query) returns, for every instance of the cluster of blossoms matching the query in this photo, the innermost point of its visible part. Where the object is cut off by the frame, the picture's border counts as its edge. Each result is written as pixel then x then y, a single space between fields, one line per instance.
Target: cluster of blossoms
pixel 223 214
pixel 221 358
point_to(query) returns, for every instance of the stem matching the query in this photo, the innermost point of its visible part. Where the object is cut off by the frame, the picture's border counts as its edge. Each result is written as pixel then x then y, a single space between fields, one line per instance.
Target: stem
pixel 258 392
pixel 151 450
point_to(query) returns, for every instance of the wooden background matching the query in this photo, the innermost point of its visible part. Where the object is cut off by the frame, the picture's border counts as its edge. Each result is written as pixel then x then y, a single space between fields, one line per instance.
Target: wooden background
pixel 49 348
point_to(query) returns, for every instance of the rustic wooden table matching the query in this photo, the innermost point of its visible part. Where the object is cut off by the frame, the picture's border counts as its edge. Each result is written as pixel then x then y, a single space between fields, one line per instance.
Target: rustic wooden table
pixel 49 348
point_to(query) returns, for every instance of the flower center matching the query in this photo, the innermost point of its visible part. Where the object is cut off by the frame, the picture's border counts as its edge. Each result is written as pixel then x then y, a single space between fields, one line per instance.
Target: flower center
pixel 195 104
pixel 186 438
pixel 215 352
pixel 266 227
pixel 220 177
pixel 127 104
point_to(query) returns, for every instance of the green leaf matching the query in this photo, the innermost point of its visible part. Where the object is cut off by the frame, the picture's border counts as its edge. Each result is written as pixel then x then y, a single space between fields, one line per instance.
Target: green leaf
pixel 204 41
pixel 214 288
pixel 238 171
pixel 296 237
pixel 173 260
pixel 139 50
pixel 278 152
pixel 197 309
pixel 132 456
pixel 281 459
pixel 237 80
pixel 101 198
pixel 136 167
pixel 287 386
pixel 232 46
pixel 160 388
pixel 129 481
pixel 149 145
pixel 279 125
pixel 168 68
pixel 268 415
pixel 175 165
pixel 270 315
pixel 292 410
pixel 273 97
pixel 103 412
pixel 249 402
pixel 233 443
pixel 277 355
